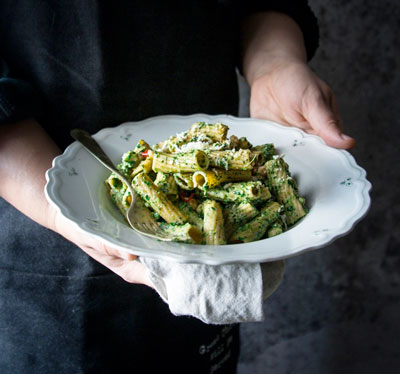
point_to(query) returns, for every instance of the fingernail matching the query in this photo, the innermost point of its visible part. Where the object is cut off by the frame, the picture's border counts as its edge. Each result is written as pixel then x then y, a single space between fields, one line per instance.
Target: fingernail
pixel 350 142
pixel 346 137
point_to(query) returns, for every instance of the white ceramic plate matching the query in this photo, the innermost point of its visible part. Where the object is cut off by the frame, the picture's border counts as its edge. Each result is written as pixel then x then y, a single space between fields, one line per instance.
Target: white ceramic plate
pixel 335 188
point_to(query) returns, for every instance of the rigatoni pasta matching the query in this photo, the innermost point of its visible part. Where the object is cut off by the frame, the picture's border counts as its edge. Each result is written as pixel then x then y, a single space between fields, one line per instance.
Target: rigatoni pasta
pixel 201 184
pixel 241 159
pixel 213 223
pixel 239 192
pixel 158 201
pixel 214 177
pixel 180 162
pixel 285 189
pixel 167 184
pixel 236 215
pixel 256 228
pixel 215 131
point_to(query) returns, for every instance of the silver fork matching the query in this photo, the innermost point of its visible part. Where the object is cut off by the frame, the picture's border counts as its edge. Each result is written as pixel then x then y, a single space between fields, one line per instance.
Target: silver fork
pixel 144 224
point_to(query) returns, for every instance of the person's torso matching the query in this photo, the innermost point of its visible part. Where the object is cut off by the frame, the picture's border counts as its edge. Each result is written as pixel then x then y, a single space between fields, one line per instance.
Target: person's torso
pixel 98 64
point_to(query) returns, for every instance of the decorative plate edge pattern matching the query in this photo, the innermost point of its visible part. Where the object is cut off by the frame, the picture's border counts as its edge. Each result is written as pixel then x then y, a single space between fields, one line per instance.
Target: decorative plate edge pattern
pixel 51 192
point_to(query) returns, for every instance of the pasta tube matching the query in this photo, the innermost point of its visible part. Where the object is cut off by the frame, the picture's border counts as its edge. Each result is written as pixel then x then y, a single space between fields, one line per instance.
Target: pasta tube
pixel 141 147
pixel 130 160
pixel 193 216
pixel 123 201
pixel 157 200
pixel 235 192
pixel 265 195
pixel 127 199
pixel 180 162
pixel 145 166
pixel 133 161
pixel 268 150
pixel 244 143
pixel 256 228
pixel 116 196
pixel 184 180
pixel 114 182
pixel 166 183
pixel 213 223
pixel 214 177
pixel 284 188
pixel 215 131
pixel 118 192
pixel 243 159
pixel 236 215
pixel 186 233
pixel 275 229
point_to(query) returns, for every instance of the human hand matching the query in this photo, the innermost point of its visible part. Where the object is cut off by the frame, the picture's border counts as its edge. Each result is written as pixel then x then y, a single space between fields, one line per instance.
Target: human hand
pixel 119 262
pixel 288 92
pixel 26 152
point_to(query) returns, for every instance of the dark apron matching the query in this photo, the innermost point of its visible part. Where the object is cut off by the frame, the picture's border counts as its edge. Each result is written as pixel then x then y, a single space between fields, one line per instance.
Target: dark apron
pixel 61 312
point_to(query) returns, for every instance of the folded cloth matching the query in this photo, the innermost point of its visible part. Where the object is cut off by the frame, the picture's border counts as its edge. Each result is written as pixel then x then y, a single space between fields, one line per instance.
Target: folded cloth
pixel 221 294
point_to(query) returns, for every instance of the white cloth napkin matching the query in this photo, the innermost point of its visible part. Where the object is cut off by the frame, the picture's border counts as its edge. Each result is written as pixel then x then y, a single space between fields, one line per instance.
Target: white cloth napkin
pixel 221 294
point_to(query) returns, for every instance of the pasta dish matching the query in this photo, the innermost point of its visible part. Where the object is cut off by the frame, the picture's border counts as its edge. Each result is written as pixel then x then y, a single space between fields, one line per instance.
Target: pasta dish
pixel 203 187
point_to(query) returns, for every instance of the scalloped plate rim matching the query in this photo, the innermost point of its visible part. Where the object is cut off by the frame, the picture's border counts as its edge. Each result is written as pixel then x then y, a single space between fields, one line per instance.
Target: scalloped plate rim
pixel 323 241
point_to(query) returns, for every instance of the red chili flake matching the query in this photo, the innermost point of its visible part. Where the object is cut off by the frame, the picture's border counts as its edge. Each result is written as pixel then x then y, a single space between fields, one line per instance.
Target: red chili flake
pixel 185 196
pixel 145 154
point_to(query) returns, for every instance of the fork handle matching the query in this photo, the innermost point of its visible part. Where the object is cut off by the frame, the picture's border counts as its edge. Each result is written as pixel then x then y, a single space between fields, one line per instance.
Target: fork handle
pixel 96 151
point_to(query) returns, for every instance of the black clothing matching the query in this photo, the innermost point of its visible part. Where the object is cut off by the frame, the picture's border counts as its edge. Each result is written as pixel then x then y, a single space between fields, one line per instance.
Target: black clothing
pixel 92 64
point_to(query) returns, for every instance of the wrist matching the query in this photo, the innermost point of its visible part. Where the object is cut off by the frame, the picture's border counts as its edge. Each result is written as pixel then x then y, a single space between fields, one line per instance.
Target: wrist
pixel 268 38
pixel 267 64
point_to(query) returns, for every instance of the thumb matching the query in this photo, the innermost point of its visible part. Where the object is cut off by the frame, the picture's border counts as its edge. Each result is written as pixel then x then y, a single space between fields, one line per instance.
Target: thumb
pixel 327 124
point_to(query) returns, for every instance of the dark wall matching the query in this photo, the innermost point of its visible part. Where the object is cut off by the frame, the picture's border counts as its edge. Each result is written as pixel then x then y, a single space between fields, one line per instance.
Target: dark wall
pixel 338 308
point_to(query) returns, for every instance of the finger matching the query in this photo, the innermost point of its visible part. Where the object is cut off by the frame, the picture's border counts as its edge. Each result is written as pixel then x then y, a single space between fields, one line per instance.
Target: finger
pixel 272 112
pixel 130 271
pixel 269 115
pixel 106 255
pixel 121 254
pixel 138 273
pixel 299 122
pixel 102 250
pixel 326 124
pixel 335 109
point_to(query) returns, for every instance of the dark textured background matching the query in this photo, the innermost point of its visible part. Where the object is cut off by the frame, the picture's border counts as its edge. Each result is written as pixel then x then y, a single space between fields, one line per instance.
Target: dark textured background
pixel 338 308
